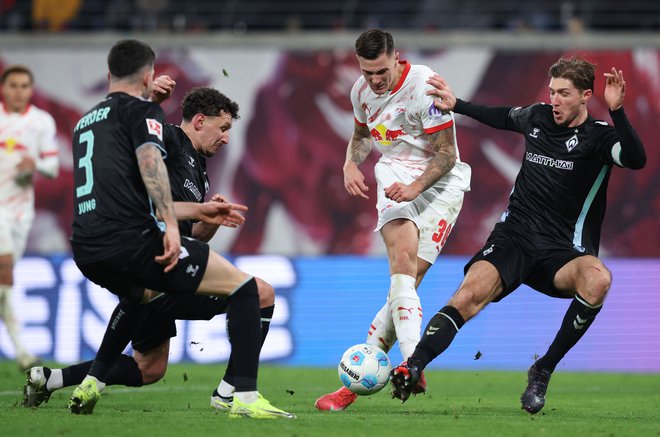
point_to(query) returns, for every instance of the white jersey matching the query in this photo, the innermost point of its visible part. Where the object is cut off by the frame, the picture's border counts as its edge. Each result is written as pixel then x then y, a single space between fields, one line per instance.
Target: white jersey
pixel 400 121
pixel 30 133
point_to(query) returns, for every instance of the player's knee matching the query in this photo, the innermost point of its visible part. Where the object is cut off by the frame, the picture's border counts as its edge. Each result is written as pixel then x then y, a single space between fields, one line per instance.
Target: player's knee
pixel 266 293
pixel 153 371
pixel 600 279
pixel 404 261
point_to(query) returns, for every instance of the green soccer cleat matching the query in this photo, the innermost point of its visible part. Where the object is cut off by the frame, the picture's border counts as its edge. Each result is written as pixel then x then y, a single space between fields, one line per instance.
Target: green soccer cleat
pixel 220 402
pixel 84 397
pixel 34 390
pixel 259 409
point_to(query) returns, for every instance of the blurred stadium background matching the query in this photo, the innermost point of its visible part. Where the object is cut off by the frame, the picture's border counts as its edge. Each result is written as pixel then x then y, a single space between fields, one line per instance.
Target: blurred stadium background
pixel 290 66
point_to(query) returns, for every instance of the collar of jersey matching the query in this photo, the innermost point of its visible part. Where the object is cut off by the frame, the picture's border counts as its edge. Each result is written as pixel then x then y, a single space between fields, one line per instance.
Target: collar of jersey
pixel 406 70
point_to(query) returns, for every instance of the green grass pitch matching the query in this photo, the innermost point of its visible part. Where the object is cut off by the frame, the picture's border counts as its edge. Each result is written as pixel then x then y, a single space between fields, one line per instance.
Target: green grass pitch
pixel 457 404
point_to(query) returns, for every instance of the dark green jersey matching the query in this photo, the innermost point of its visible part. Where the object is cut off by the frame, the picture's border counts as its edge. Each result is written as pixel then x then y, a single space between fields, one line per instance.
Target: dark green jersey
pixel 111 204
pixel 187 171
pixel 560 191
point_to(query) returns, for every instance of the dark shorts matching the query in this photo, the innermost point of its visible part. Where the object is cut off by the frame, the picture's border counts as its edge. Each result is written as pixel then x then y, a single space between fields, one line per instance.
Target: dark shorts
pixel 159 324
pixel 521 258
pixel 133 268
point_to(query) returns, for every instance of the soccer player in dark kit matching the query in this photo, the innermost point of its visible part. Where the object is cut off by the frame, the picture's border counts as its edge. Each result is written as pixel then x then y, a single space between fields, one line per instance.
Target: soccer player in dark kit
pixel 549 236
pixel 122 186
pixel 188 145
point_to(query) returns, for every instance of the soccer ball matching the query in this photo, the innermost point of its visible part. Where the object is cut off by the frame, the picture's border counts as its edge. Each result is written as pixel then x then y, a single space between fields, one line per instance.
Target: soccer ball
pixel 364 369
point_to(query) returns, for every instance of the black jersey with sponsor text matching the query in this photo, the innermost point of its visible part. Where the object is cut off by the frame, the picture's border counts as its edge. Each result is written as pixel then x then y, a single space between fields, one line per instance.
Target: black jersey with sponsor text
pixel 560 191
pixel 187 171
pixel 111 202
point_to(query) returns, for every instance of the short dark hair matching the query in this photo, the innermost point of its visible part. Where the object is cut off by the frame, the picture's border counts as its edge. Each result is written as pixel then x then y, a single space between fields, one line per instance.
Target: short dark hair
pixel 207 101
pixel 20 69
pixel 576 69
pixel 373 43
pixel 129 56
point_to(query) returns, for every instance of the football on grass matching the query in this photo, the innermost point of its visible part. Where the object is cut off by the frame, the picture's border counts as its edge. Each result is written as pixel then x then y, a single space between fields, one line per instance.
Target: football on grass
pixel 364 369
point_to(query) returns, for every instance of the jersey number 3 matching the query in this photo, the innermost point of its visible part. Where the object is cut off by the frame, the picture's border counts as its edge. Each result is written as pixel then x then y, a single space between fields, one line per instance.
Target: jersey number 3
pixel 86 163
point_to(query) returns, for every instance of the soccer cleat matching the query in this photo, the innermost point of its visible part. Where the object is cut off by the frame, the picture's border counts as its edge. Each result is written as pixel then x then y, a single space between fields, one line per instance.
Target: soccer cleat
pixel 259 409
pixel 405 378
pixel 336 401
pixel 34 391
pixel 220 402
pixel 533 398
pixel 84 397
pixel 420 387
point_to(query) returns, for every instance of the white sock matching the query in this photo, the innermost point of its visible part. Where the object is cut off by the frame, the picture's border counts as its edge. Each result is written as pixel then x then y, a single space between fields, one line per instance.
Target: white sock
pixel 406 311
pixel 225 389
pixel 99 384
pixel 12 325
pixel 381 331
pixel 247 397
pixel 55 380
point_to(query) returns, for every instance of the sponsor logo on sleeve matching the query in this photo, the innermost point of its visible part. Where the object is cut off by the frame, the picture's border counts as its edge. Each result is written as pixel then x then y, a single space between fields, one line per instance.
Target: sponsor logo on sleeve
pixel 435 113
pixel 155 128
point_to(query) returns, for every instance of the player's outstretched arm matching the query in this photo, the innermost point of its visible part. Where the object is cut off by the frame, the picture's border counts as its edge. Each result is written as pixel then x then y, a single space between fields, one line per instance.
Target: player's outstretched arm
pixel 443 96
pixel 358 149
pixel 212 213
pixel 632 154
pixel 157 183
pixel 205 231
pixel 446 100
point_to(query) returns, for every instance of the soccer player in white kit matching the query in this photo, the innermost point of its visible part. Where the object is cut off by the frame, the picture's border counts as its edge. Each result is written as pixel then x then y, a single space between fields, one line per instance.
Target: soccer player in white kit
pixel 27 144
pixel 421 183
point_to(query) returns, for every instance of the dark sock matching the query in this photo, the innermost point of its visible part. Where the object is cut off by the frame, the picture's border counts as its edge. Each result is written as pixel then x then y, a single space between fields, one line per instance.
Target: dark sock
pixel 244 335
pixel 266 316
pixel 74 375
pixel 126 372
pixel 437 337
pixel 125 319
pixel 579 317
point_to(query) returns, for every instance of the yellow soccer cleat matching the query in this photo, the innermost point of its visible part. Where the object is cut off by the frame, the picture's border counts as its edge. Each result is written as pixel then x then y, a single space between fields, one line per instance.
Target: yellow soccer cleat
pixel 259 409
pixel 84 397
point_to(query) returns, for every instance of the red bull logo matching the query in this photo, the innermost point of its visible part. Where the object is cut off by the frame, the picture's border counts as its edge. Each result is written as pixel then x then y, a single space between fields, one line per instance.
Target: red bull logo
pixel 384 135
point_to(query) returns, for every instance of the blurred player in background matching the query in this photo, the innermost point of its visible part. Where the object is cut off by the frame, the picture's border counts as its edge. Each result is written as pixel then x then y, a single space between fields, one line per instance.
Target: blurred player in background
pixel 188 147
pixel 550 234
pixel 121 186
pixel 27 144
pixel 420 185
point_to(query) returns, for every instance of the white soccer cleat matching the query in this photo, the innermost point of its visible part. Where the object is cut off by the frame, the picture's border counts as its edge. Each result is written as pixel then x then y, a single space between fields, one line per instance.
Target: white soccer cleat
pixel 34 391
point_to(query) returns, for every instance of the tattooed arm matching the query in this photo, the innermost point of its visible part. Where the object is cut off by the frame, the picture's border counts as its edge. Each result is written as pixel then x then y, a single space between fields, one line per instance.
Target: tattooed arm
pixel 157 183
pixel 358 149
pixel 441 164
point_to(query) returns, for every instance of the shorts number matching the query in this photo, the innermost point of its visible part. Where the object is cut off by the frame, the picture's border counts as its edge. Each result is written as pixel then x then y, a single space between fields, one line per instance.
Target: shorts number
pixel 86 163
pixel 443 232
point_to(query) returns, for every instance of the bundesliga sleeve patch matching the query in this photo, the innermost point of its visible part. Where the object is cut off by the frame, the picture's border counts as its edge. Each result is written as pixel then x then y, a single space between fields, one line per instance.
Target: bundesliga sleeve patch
pixel 155 128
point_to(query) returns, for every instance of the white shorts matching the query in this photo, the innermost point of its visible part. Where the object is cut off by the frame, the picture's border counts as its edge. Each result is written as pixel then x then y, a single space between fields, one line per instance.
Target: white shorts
pixel 434 212
pixel 13 236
